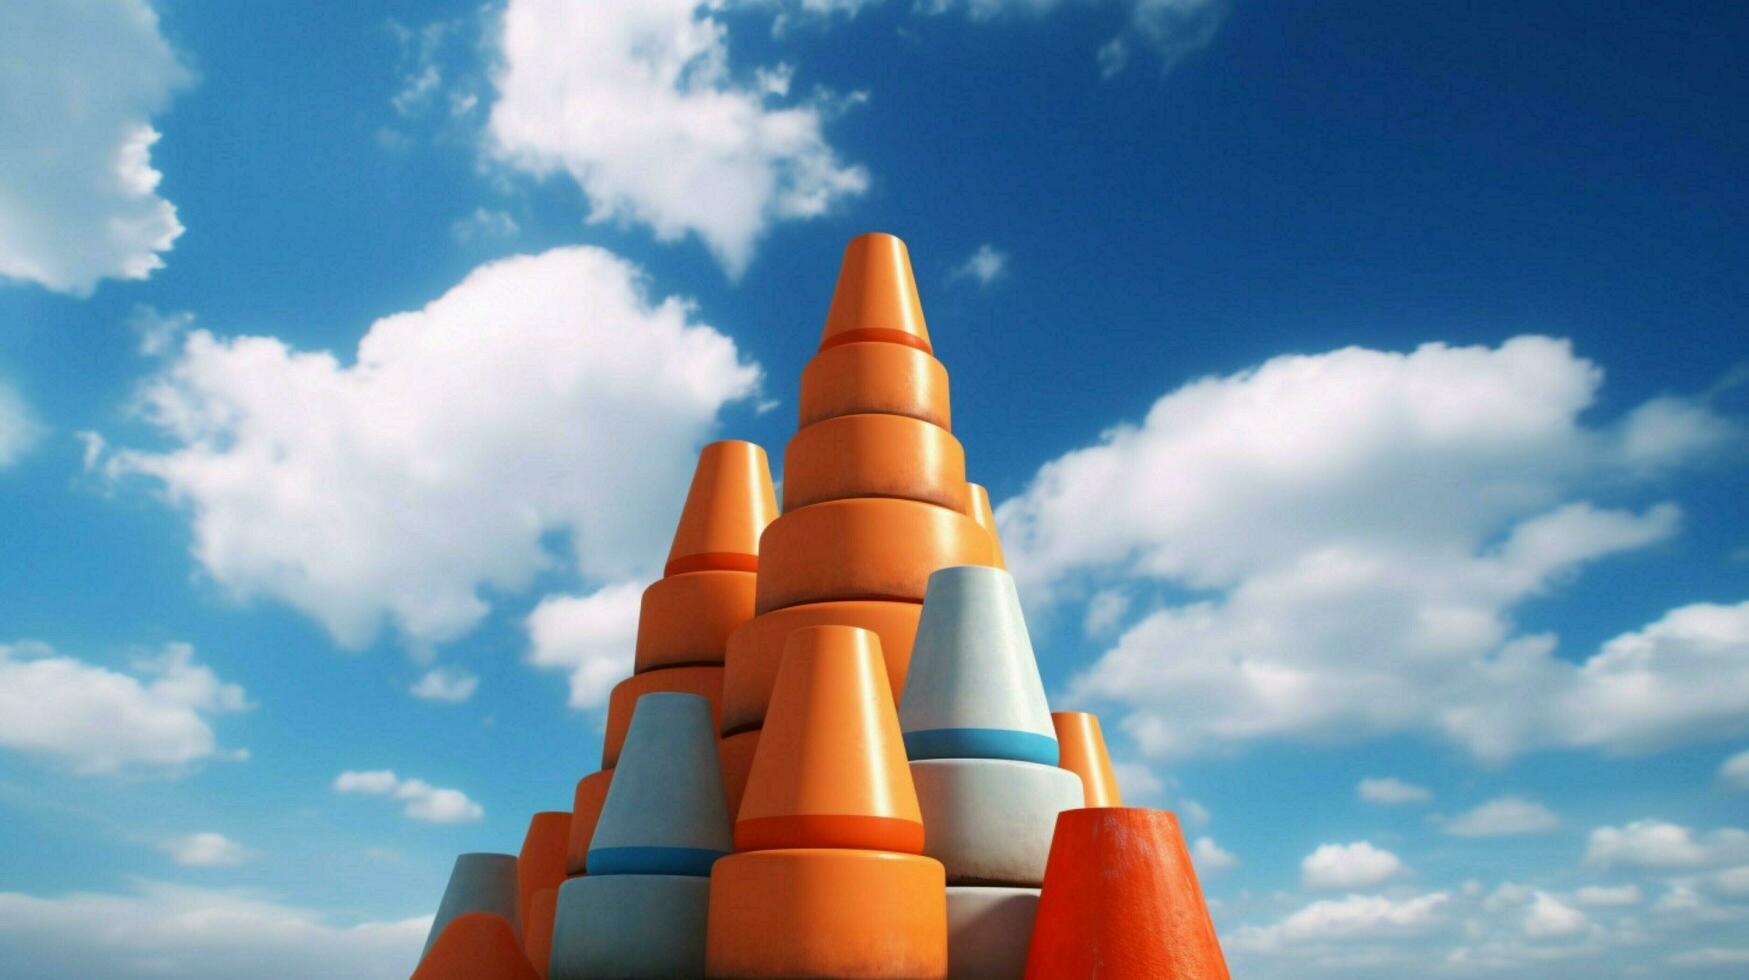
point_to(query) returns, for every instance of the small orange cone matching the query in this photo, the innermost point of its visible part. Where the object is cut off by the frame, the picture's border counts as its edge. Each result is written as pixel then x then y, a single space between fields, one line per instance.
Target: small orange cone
pixel 706 682
pixel 585 811
pixel 728 505
pixel 537 940
pixel 735 754
pixel 876 296
pixel 541 863
pixel 1121 901
pixel 830 770
pixel 685 620
pixel 756 650
pixel 868 548
pixel 874 456
pixel 476 946
pixel 978 509
pixel 1081 750
pixel 890 379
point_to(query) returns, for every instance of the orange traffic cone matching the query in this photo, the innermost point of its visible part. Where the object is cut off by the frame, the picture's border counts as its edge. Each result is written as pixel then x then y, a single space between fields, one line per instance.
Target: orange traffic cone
pixel 864 548
pixel 756 650
pixel 706 682
pixel 876 296
pixel 874 456
pixel 476 946
pixel 1081 750
pixel 1121 900
pixel 978 509
pixel 585 811
pixel 728 505
pixel 890 379
pixel 735 754
pixel 537 929
pixel 685 620
pixel 541 862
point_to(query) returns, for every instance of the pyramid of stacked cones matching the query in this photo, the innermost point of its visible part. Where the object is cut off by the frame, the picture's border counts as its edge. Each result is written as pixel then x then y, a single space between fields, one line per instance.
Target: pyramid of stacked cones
pixel 835 757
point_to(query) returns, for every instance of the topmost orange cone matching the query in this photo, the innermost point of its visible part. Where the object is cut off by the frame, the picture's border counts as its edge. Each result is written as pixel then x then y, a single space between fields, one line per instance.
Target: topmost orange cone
pixel 876 297
pixel 727 508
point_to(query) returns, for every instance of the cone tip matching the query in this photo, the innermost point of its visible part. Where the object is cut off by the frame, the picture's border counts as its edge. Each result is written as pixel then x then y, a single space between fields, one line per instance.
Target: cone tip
pixel 875 298
pixel 728 505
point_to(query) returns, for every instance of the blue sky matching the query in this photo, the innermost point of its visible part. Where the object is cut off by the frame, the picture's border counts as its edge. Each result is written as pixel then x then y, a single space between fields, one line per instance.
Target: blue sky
pixel 1362 387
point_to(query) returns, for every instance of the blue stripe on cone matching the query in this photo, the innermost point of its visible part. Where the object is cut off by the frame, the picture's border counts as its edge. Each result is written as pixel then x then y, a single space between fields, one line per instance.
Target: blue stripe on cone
pixel 979 743
pixel 652 860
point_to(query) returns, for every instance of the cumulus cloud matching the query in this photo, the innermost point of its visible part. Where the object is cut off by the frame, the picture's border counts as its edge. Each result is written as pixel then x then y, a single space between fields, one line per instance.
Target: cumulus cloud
pixel 635 101
pixel 1356 865
pixel 1349 918
pixel 481 224
pixel 205 850
pixel 450 684
pixel 589 636
pixel 164 930
pixel 1734 772
pixel 1356 529
pixel 1209 856
pixel 19 428
pixel 432 804
pixel 1658 845
pixel 1391 791
pixel 1169 29
pixel 1608 896
pixel 78 195
pixel 1549 916
pixel 984 266
pixel 99 720
pixel 543 396
pixel 1502 817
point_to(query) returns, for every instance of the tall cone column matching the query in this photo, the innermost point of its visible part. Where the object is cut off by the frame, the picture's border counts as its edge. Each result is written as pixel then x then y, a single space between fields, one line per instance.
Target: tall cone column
pixel 874 489
pixel 827 881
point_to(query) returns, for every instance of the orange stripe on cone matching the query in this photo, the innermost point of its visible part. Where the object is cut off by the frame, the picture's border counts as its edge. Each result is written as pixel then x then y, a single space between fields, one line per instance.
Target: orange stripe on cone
pixel 585 811
pixel 870 377
pixel 876 296
pixel 874 456
pixel 827 913
pixel 756 650
pixel 830 770
pixel 476 946
pixel 871 548
pixel 1121 901
pixel 728 505
pixel 707 682
pixel 1081 750
pixel 686 619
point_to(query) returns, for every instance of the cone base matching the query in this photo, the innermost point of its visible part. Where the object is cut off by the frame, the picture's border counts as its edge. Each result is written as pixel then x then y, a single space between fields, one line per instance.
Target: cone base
pixel 585 811
pixel 630 926
pixel 479 882
pixel 756 649
pixel 827 913
pixel 476 946
pixel 989 821
pixel 685 620
pixel 867 548
pixel 707 682
pixel 988 931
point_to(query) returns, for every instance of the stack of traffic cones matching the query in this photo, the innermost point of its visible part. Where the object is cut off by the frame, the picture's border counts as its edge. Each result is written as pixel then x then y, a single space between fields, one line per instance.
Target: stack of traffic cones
pixel 827 880
pixel 874 491
pixel 640 910
pixel 478 922
pixel 984 761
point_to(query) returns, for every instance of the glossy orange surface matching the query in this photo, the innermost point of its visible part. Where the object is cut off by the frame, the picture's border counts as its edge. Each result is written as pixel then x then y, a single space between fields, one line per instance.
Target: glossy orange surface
pixel 476 946
pixel 756 649
pixel 537 929
pixel 727 507
pixel 830 770
pixel 978 509
pixel 735 754
pixel 869 548
pixel 1121 901
pixel 827 913
pixel 541 862
pixel 889 379
pixel 876 296
pixel 874 456
pixel 585 811
pixel 686 619
pixel 1081 750
pixel 707 682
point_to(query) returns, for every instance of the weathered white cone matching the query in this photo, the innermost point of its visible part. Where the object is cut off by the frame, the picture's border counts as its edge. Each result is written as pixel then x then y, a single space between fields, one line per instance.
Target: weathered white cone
pixel 665 812
pixel 973 690
pixel 989 821
pixel 630 926
pixel 478 883
pixel 988 931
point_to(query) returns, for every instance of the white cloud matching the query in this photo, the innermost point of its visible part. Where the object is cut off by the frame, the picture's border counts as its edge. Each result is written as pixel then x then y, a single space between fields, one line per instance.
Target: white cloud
pixel 1358 528
pixel 1170 29
pixel 1712 956
pixel 206 850
pixel 78 195
pixel 1734 772
pixel 96 720
pixel 1391 791
pixel 1658 845
pixel 1352 917
pixel 450 684
pixel 1209 856
pixel 591 636
pixel 986 265
pixel 19 428
pixel 164 930
pixel 1105 612
pixel 634 99
pixel 159 333
pixel 543 395
pixel 1356 865
pixel 1549 916
pixel 1608 896
pixel 483 224
pixel 432 804
pixel 1503 816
